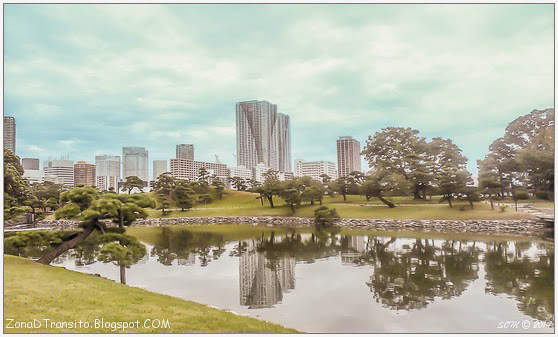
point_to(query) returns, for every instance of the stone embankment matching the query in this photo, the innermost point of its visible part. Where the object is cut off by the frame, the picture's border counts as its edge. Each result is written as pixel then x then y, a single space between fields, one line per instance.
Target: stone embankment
pixel 529 227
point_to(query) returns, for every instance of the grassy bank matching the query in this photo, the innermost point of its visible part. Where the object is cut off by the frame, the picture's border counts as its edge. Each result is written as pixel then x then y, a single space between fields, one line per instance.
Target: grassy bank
pixel 35 291
pixel 245 204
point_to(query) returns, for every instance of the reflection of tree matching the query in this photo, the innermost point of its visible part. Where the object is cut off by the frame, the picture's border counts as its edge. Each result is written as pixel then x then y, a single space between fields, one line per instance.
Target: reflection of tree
pixel 181 244
pixel 413 276
pixel 529 280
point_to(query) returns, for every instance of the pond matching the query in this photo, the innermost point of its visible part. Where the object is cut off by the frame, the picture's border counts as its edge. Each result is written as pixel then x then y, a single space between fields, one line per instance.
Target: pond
pixel 332 282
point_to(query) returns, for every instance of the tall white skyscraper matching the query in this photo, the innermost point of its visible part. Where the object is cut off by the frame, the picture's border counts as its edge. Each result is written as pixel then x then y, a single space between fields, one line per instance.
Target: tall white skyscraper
pixel 348 155
pixel 159 167
pixel 185 151
pixel 135 162
pixel 107 172
pixel 10 133
pixel 262 136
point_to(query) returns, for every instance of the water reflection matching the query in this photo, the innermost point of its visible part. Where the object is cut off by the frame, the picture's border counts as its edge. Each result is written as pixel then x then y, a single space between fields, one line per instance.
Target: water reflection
pixel 400 274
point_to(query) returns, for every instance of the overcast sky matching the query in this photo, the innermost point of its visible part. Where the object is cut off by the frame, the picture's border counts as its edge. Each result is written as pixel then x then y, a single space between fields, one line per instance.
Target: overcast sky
pixel 87 79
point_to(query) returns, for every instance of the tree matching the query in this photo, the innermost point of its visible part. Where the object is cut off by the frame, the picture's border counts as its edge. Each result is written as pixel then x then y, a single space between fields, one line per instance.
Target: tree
pixel 325 178
pixel 354 179
pixel 164 184
pixel 131 183
pixel 219 187
pixel 92 212
pixel 205 198
pixel 122 250
pixel 203 178
pixel 183 196
pixel 163 203
pixel 238 183
pixel 16 188
pixel 402 151
pixel 448 168
pixel 270 187
pixel 380 182
pixel 341 186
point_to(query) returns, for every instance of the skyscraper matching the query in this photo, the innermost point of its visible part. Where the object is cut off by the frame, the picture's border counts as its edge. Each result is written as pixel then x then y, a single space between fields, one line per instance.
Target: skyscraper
pixel 159 167
pixel 59 172
pixel 84 174
pixel 107 172
pixel 262 136
pixel 135 162
pixel 9 133
pixel 30 163
pixel 185 151
pixel 348 156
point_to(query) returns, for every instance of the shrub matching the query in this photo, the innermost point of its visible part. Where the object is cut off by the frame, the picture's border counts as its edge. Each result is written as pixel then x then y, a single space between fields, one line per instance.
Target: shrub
pixel 503 208
pixel 325 217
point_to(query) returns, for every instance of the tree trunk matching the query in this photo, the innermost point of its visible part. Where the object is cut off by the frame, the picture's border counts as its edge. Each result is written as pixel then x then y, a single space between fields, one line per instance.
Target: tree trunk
pixel 344 197
pixel 516 205
pixel 471 203
pixel 270 199
pixel 64 246
pixel 449 202
pixel 387 202
pixel 424 193
pixel 416 194
pixel 491 203
pixel 122 274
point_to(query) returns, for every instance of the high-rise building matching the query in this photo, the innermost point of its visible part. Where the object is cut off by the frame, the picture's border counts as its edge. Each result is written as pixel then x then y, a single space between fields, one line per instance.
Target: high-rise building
pixel 59 172
pixel 189 169
pixel 262 136
pixel 185 151
pixel 84 174
pixel 314 169
pixel 10 133
pixel 348 156
pixel 159 167
pixel 135 162
pixel 107 172
pixel 30 163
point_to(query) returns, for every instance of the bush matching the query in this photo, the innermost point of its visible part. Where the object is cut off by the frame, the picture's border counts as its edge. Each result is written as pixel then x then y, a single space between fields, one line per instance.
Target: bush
pixel 503 208
pixel 541 195
pixel 325 217
pixel 521 195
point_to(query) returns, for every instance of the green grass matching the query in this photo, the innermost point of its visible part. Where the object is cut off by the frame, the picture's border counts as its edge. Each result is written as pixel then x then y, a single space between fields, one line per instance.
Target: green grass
pixel 245 204
pixel 35 291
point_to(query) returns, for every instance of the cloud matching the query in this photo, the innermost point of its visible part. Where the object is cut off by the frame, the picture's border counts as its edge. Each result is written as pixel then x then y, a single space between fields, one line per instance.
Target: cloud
pixel 81 78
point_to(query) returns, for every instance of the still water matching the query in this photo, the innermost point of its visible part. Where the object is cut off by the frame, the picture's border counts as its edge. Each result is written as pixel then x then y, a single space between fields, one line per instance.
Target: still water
pixel 350 283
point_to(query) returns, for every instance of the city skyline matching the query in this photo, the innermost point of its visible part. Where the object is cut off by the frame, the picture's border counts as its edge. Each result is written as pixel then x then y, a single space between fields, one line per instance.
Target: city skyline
pixel 89 79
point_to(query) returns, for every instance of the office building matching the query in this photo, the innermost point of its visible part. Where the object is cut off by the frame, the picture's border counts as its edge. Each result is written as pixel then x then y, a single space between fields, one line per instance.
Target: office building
pixel 241 172
pixel 107 172
pixel 348 156
pixel 159 167
pixel 59 172
pixel 10 133
pixel 262 136
pixel 84 174
pixel 185 151
pixel 31 170
pixel 30 163
pixel 314 169
pixel 190 169
pixel 135 162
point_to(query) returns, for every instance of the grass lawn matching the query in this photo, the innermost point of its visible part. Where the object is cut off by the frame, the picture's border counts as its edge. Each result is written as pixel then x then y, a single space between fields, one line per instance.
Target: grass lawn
pixel 245 204
pixel 35 291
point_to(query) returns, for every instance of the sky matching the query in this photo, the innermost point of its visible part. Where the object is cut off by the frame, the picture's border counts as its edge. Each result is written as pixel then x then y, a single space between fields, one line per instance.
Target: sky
pixel 89 79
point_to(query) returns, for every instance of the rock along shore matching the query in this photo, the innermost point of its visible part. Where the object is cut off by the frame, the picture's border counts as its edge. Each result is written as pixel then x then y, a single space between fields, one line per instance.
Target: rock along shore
pixel 529 227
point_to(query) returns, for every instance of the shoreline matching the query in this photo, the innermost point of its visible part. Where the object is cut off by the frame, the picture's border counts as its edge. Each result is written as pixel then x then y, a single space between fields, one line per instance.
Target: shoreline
pixel 527 227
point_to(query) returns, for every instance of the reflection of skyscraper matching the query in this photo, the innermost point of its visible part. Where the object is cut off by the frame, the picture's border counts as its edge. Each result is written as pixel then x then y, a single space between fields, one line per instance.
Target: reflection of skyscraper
pixel 260 285
pixel 356 245
pixel 189 261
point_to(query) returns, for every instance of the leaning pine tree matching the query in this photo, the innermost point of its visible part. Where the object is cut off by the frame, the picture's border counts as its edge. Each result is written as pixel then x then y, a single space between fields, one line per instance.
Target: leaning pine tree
pixel 86 204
